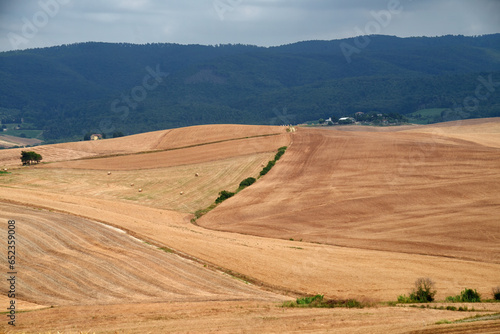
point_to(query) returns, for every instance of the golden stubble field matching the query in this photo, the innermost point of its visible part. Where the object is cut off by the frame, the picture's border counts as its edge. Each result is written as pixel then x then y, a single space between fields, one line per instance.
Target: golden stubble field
pixel 368 212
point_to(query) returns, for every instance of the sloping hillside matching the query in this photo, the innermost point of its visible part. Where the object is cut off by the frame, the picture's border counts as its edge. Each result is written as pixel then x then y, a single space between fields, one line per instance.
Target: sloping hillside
pixel 347 214
pixel 147 142
pixel 431 190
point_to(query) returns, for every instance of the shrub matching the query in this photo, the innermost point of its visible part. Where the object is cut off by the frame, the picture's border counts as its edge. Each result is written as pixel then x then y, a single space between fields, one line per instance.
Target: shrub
pixel 424 291
pixel 266 169
pixel 280 153
pixel 404 299
pixel 320 302
pixel 309 300
pixel 271 163
pixel 352 303
pixel 223 195
pixel 496 293
pixel 453 299
pixel 470 296
pixel 247 182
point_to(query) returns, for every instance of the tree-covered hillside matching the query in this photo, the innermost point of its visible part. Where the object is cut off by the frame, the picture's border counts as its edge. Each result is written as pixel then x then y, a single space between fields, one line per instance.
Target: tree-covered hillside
pixel 72 90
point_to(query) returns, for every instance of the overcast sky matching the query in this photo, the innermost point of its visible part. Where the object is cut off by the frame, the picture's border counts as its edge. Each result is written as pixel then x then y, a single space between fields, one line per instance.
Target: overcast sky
pixel 32 23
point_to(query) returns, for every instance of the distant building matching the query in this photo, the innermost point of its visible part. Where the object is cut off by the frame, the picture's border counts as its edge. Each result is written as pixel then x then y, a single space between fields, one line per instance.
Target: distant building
pixel 95 136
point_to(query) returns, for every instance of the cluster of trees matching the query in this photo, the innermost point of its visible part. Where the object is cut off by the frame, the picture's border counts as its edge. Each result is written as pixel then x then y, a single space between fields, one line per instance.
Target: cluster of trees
pixel 30 157
pixel 90 87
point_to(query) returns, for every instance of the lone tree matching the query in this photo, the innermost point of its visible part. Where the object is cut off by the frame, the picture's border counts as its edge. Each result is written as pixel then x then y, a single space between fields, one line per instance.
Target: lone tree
pixel 28 158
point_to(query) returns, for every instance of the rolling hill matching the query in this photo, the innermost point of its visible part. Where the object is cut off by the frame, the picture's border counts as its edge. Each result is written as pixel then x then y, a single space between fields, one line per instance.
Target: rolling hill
pixel 355 213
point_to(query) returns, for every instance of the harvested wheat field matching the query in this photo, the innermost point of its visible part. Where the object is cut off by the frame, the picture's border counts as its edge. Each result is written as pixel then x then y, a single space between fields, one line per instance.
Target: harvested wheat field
pixel 94 264
pixel 348 214
pixel 147 142
pixel 420 191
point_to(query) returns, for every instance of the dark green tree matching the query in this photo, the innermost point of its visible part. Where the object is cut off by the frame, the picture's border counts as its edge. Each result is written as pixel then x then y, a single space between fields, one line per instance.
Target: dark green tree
pixel 247 182
pixel 223 195
pixel 30 157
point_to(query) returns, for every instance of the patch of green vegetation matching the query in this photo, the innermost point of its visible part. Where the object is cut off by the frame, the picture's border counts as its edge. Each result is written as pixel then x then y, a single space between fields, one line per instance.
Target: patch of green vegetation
pixel 280 153
pixel 496 293
pixel 271 163
pixel 166 250
pixel 422 293
pixel 30 157
pixel 318 301
pixel 452 299
pixel 32 134
pixel 470 296
pixel 447 308
pixel 466 296
pixel 425 116
pixel 202 212
pixel 477 317
pixel 266 169
pixel 224 194
pixel 246 183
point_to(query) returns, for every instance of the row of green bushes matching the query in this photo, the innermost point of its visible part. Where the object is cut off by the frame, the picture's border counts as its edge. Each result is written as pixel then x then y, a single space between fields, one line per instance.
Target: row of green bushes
pixel 320 302
pixel 271 163
pixel 424 292
pixel 224 194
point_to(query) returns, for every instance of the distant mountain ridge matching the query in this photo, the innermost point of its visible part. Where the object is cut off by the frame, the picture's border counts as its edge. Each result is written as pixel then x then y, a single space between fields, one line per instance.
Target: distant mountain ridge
pixel 70 90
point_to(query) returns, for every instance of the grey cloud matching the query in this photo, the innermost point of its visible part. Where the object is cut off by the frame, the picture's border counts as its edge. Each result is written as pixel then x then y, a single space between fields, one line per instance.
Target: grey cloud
pixel 260 22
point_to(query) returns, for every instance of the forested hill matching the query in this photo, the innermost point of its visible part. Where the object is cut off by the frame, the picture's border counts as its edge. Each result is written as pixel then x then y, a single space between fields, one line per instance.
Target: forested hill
pixel 70 90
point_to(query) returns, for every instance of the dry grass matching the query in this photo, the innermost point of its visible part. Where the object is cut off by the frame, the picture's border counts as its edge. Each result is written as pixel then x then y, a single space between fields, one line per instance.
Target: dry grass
pixel 161 186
